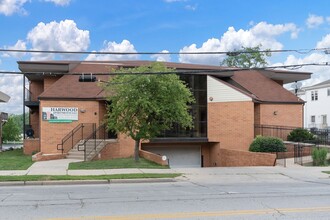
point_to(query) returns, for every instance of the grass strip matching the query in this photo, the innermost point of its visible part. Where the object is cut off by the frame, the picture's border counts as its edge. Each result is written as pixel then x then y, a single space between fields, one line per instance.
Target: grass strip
pixel 328 172
pixel 120 163
pixel 15 160
pixel 89 177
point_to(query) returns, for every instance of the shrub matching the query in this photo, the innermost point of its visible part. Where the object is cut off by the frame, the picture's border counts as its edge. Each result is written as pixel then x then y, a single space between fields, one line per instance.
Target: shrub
pixel 267 144
pixel 300 135
pixel 319 156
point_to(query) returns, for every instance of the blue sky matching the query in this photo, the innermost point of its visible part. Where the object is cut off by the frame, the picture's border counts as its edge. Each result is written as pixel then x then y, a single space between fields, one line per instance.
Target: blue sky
pixel 161 25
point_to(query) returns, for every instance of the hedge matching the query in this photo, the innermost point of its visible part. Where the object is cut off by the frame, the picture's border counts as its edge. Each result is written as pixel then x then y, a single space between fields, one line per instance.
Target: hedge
pixel 267 144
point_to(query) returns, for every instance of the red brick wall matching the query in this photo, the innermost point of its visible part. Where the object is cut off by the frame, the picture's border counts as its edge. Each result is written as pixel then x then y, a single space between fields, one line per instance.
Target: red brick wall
pixel 281 114
pixel 36 88
pixel 153 157
pixel 233 158
pixel 102 111
pixel 31 146
pixel 51 134
pixel 123 148
pixel 232 124
pixel 214 154
pixel 34 121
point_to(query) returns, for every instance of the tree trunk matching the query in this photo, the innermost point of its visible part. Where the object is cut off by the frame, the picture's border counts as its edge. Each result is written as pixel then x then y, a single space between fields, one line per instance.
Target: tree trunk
pixel 136 150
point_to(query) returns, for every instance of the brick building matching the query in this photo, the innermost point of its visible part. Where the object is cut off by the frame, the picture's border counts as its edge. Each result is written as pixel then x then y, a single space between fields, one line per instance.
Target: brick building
pixel 229 103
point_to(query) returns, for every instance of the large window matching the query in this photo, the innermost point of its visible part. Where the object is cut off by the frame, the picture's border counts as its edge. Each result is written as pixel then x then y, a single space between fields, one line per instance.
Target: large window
pixel 197 84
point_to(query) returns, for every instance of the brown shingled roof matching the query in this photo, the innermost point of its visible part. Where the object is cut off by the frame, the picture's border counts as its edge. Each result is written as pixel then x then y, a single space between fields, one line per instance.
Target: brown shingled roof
pixel 69 87
pixel 263 88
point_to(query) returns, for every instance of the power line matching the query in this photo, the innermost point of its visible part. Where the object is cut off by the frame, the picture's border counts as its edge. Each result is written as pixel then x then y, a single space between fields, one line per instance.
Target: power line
pixel 300 51
pixel 181 72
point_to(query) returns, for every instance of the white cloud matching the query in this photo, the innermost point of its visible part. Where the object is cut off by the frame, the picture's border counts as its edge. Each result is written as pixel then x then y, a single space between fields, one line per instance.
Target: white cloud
pixel 9 7
pixel 60 2
pixel 320 73
pixel 20 45
pixel 324 43
pixel 262 33
pixel 62 36
pixel 124 47
pixel 314 21
pixel 162 57
pixel 12 85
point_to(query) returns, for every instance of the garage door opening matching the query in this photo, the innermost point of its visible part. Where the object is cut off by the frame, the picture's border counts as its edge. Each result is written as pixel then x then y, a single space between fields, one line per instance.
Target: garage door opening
pixel 179 156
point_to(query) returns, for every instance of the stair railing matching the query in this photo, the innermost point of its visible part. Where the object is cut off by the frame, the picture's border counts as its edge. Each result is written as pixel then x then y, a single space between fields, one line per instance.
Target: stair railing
pixel 77 134
pixel 100 134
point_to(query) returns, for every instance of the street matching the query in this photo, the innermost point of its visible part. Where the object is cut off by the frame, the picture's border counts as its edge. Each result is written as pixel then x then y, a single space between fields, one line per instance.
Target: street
pixel 219 193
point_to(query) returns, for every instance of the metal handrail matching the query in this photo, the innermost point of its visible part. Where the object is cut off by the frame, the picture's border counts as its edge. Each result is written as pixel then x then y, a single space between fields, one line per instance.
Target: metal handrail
pixel 93 136
pixel 71 134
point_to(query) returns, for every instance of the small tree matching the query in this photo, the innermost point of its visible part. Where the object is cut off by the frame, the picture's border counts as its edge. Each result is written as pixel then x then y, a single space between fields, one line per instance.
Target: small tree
pixel 142 105
pixel 11 131
pixel 248 57
pixel 300 135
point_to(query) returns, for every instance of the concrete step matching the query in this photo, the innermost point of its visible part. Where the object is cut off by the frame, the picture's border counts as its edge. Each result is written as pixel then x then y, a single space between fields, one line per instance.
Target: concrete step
pixel 90 148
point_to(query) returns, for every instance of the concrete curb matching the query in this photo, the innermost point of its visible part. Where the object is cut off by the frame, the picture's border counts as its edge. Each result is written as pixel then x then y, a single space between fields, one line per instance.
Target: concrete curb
pixel 86 182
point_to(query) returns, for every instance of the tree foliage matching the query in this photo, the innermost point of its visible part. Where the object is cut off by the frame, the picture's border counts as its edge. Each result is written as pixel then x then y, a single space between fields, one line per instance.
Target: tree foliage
pixel 12 130
pixel 248 57
pixel 267 144
pixel 300 135
pixel 143 105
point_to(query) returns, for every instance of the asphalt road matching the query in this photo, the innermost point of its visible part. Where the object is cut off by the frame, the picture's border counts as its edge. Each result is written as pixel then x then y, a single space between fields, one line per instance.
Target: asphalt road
pixel 269 194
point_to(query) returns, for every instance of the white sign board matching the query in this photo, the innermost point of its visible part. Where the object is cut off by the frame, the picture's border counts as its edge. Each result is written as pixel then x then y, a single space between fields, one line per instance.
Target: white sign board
pixel 59 114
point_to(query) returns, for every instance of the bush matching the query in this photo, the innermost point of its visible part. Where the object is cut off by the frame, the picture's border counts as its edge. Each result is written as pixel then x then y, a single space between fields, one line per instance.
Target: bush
pixel 300 135
pixel 267 144
pixel 319 156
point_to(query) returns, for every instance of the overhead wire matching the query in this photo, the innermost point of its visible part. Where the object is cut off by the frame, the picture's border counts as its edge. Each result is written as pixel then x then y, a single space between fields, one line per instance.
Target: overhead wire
pixel 179 72
pixel 300 51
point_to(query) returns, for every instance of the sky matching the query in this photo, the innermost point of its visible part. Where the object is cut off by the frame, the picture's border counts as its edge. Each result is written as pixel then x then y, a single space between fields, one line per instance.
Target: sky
pixel 161 26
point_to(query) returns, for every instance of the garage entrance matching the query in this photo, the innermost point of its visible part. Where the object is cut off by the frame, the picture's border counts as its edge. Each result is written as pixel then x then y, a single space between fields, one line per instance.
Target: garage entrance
pixel 179 156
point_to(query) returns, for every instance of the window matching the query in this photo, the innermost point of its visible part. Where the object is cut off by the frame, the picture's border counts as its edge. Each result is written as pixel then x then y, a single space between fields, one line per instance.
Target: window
pixel 324 119
pixel 313 119
pixel 314 95
pixel 328 92
pixel 198 86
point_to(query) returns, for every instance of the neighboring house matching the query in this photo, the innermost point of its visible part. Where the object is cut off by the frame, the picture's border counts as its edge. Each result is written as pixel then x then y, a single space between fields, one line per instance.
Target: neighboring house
pixel 229 104
pixel 317 110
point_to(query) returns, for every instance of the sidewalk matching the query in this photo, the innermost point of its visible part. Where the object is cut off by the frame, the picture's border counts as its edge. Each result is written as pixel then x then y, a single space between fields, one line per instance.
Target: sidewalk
pixel 213 174
pixel 60 167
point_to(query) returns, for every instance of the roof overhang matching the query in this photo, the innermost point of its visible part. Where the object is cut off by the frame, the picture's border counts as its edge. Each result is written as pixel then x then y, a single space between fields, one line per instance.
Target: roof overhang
pixel 4 97
pixel 286 76
pixel 36 70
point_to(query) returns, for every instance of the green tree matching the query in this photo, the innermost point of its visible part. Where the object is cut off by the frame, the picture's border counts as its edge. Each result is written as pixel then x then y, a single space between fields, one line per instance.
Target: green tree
pixel 248 57
pixel 143 105
pixel 11 131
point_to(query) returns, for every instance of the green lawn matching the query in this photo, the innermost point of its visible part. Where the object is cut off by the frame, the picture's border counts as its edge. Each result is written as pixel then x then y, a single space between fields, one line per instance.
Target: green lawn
pixel 328 172
pixel 120 163
pixel 14 160
pixel 91 177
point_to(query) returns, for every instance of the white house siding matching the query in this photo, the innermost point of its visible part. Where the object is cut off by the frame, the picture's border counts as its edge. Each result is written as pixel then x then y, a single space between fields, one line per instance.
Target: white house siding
pixel 217 91
pixel 319 108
